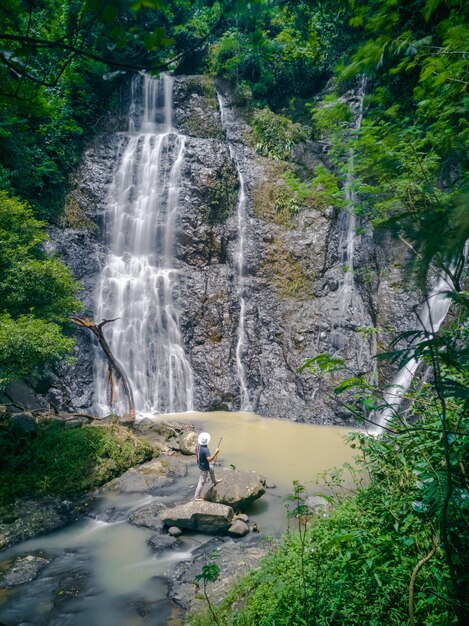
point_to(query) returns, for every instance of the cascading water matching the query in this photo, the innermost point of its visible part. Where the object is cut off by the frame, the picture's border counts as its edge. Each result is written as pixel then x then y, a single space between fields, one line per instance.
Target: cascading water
pixel 242 287
pixel 138 280
pixel 430 319
pixel 349 220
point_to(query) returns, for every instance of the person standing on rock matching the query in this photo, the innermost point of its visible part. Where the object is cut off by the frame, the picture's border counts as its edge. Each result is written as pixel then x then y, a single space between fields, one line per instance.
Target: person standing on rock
pixel 204 458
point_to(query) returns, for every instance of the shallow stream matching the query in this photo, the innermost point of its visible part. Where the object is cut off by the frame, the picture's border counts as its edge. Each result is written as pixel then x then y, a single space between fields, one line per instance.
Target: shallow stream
pixel 103 571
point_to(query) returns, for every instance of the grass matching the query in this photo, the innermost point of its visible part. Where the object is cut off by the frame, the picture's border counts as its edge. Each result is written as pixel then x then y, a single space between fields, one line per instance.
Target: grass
pixel 56 460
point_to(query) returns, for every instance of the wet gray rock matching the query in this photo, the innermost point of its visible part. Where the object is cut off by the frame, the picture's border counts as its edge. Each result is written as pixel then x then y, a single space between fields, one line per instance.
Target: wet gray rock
pixel 29 518
pixel 20 394
pixel 196 111
pixel 295 304
pixel 176 467
pixel 318 504
pixel 235 560
pixel 146 478
pixel 174 531
pixel 310 154
pixel 71 585
pixel 149 517
pixel 23 570
pixel 163 435
pixel 188 443
pixel 24 423
pixel 238 489
pixel 238 529
pixel 206 517
pixel 161 542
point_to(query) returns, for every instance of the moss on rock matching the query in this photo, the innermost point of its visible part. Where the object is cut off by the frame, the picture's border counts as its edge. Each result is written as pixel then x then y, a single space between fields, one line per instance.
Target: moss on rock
pixel 222 193
pixel 287 273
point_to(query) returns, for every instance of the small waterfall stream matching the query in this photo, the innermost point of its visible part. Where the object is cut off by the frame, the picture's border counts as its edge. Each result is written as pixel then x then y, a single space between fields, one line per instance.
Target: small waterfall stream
pixel 349 219
pixel 139 277
pixel 431 317
pixel 242 286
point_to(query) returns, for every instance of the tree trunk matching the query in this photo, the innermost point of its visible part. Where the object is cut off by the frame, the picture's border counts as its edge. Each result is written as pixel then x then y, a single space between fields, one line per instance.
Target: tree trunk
pixel 116 371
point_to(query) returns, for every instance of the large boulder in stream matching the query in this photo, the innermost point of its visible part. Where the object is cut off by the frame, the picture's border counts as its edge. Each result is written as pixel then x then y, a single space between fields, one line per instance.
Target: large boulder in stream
pixel 206 517
pixel 237 489
pixel 149 516
pixel 188 442
pixel 23 570
pixel 148 477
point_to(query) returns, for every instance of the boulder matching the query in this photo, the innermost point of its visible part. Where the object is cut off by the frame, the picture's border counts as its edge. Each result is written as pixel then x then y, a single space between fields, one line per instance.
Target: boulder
pixel 174 531
pixel 207 517
pixel 23 570
pixel 173 444
pixel 318 504
pixel 160 542
pixel 149 517
pixel 188 442
pixel 146 478
pixel 234 563
pixel 21 394
pixel 238 529
pixel 237 489
pixel 24 422
pixel 30 517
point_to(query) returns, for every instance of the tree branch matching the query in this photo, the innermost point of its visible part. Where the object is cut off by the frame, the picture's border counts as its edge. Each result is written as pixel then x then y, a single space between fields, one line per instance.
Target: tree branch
pixel 413 577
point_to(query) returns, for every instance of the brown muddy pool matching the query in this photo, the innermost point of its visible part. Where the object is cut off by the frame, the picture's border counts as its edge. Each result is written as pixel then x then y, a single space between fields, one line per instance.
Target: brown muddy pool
pixel 103 571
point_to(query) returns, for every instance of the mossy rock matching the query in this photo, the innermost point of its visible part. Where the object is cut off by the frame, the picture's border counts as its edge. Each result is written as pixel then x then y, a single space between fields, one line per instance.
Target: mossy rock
pixel 287 273
pixel 222 193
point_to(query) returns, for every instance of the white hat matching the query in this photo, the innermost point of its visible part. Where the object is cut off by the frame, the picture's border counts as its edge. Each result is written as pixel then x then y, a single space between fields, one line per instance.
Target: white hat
pixel 203 439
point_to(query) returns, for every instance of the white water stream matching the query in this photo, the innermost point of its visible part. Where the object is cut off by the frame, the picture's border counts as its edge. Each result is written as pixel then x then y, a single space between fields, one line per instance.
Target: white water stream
pixel 243 283
pixel 431 317
pixel 348 231
pixel 139 277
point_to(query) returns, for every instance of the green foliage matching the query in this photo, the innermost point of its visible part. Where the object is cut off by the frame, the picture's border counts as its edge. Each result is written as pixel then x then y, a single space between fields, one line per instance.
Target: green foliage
pixel 210 573
pixel 410 155
pixel 358 561
pixel 60 66
pixel 326 188
pixel 37 293
pixel 271 52
pixel 221 193
pixel 28 345
pixel 275 135
pixel 282 194
pixel 57 460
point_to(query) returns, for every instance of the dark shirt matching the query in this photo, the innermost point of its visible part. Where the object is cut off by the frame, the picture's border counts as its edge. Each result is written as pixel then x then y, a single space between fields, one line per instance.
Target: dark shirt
pixel 202 453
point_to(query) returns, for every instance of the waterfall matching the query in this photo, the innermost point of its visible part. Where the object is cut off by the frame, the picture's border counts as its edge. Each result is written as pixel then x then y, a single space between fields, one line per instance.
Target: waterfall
pixel 431 317
pixel 138 279
pixel 243 285
pixel 349 220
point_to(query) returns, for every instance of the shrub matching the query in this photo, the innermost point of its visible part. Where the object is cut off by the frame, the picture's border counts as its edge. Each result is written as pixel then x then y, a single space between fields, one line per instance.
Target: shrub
pixel 275 135
pixel 56 460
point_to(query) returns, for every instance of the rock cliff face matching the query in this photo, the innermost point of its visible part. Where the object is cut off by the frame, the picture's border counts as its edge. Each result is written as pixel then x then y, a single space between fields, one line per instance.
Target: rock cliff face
pixel 295 303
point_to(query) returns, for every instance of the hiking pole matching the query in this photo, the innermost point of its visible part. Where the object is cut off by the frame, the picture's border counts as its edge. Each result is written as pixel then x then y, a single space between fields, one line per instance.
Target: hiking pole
pixel 218 448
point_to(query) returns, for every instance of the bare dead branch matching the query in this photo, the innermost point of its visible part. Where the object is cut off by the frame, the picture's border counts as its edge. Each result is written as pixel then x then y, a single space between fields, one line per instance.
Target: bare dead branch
pixel 115 369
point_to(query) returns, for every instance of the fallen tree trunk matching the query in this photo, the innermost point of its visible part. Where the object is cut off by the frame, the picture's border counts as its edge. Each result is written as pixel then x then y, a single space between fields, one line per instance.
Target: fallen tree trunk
pixel 115 371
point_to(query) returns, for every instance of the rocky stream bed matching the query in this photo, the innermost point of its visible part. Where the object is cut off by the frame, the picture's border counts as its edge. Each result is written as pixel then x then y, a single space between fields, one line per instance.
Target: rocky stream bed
pixel 216 524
